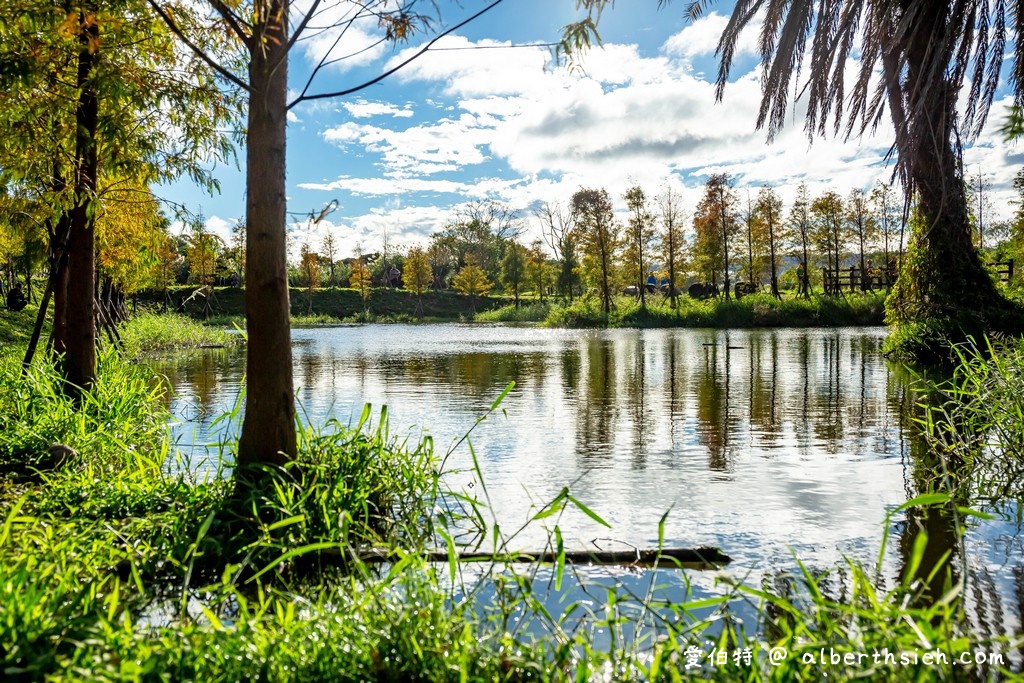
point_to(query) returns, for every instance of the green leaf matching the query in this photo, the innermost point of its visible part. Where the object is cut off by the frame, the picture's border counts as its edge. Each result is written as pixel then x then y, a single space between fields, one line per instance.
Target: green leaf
pixel 559 558
pixel 588 512
pixel 502 395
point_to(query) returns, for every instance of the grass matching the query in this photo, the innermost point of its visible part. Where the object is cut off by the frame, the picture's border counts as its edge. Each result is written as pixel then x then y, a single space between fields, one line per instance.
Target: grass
pixel 150 332
pixel 339 305
pixel 115 565
pixel 526 312
pixel 758 310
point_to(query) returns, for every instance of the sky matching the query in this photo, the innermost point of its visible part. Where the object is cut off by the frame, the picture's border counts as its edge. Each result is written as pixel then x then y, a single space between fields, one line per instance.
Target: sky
pixel 486 114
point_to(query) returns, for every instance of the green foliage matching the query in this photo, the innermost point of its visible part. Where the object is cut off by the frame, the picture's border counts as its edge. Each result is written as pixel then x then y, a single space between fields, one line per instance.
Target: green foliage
pixel 974 420
pixel 471 281
pixel 513 268
pixel 149 332
pixel 119 419
pixel 757 310
pixel 141 572
pixel 527 313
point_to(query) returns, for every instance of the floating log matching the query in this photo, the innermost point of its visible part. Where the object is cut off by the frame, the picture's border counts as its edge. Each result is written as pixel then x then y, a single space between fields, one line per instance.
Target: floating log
pixel 702 557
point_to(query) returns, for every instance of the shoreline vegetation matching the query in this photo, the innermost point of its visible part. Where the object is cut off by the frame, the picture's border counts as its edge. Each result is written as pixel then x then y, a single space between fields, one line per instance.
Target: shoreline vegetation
pixel 386 305
pixel 115 566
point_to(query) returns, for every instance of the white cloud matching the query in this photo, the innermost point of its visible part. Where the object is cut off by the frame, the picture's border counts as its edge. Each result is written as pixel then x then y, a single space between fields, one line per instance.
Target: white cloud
pixel 447 145
pixel 341 36
pixel 362 109
pixel 701 37
pixel 628 119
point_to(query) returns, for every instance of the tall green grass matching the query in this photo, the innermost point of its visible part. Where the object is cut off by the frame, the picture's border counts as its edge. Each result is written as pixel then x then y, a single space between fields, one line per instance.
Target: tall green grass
pixel 122 418
pixel 149 332
pixel 120 567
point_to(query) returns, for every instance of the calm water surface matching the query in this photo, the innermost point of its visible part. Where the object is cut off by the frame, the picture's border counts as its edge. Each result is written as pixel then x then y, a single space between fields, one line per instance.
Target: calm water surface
pixel 766 443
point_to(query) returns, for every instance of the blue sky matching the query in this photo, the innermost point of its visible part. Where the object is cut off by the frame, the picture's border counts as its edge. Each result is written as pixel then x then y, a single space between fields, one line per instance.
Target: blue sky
pixel 479 119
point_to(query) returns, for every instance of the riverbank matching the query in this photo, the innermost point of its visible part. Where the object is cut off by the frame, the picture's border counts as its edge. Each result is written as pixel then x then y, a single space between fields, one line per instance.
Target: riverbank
pixel 114 567
pixel 396 305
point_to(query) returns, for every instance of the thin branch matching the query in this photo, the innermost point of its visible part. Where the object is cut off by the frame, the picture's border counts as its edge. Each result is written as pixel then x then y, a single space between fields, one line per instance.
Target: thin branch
pixel 231 20
pixel 381 77
pixel 199 52
pixel 310 13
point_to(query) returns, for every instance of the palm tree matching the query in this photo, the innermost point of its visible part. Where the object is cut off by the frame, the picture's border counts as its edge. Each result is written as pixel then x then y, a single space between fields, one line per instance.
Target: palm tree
pixel 914 57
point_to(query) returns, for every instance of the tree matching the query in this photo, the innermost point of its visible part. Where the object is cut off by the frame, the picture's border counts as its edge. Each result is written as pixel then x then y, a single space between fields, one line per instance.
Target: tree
pixel 800 227
pixel 203 248
pixel 260 28
pixel 768 216
pixel 915 56
pixel 329 250
pixel 673 244
pixel 639 242
pixel 310 267
pixel 750 238
pixel 361 280
pixel 600 237
pixel 472 281
pixel 981 207
pixel 418 275
pixel 538 271
pixel 513 268
pixel 94 93
pixel 237 249
pixel 130 232
pixel 715 223
pixel 558 228
pixel 862 224
pixel 889 219
pixel 829 231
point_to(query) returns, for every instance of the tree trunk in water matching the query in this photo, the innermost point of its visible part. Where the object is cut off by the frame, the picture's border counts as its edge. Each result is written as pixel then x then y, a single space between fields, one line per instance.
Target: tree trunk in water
pixel 80 354
pixel 268 429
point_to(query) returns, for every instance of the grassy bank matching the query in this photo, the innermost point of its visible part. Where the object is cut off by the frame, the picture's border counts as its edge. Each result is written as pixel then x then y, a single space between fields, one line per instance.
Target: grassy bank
pixel 395 305
pixel 116 566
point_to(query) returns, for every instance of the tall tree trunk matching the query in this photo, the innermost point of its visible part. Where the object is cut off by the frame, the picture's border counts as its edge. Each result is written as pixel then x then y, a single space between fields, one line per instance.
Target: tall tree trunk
pixel 80 354
pixel 943 276
pixel 268 429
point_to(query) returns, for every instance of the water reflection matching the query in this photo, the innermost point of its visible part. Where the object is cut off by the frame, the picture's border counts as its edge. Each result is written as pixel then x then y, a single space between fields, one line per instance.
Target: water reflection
pixel 762 442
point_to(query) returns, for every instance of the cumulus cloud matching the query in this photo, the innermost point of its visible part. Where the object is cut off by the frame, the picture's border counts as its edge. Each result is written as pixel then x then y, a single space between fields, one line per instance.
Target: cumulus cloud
pixel 508 126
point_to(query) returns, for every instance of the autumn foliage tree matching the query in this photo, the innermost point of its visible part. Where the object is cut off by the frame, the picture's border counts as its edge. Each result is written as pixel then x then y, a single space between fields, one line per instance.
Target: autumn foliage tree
pixel 600 237
pixel 472 281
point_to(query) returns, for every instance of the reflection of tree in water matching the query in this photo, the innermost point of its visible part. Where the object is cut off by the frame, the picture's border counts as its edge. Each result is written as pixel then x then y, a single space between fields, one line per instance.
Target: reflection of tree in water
pixel 764 398
pixel 199 376
pixel 712 394
pixel 676 383
pixel 478 374
pixel 596 412
pixel 636 390
pixel 829 423
pixel 946 533
pixel 571 366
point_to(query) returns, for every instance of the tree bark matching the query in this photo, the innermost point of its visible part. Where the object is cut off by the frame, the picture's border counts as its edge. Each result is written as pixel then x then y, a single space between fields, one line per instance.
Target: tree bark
pixel 80 353
pixel 699 557
pixel 946 278
pixel 268 429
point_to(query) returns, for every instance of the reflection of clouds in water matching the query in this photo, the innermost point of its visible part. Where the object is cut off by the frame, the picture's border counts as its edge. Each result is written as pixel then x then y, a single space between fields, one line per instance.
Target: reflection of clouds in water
pixel 761 442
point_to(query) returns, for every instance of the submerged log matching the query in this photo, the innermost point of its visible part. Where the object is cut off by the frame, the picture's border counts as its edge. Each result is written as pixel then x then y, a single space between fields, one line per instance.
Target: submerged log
pixel 702 557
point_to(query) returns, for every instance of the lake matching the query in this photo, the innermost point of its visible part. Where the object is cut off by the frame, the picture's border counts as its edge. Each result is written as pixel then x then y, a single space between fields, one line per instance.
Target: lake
pixel 769 443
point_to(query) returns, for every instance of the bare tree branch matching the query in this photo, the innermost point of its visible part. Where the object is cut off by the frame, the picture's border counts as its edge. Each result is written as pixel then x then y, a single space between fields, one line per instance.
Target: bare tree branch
pixel 403 64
